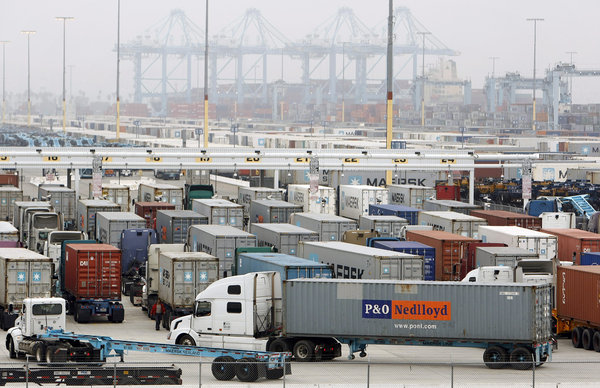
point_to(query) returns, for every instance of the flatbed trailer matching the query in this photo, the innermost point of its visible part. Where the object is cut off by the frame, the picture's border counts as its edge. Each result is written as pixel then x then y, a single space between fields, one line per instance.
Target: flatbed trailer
pixel 92 375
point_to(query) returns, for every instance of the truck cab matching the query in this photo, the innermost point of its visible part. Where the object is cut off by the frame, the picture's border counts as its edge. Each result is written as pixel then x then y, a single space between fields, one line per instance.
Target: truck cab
pixel 238 311
pixel 527 271
pixel 41 224
pixel 25 217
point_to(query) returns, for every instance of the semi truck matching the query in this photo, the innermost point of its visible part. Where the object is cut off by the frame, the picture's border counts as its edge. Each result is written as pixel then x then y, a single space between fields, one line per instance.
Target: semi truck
pixel 41 224
pixel 134 255
pixel 259 311
pixel 53 347
pixel 150 287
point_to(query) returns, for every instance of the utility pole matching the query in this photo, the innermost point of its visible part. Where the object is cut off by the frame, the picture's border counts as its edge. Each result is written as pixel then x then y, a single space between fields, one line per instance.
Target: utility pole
pixel 534 20
pixel 118 64
pixel 423 34
pixel 390 85
pixel 206 79
pixel 3 43
pixel 494 66
pixel 28 33
pixel 64 91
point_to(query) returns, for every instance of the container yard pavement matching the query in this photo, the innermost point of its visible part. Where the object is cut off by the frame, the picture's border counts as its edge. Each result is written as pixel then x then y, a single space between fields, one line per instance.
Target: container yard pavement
pixel 390 366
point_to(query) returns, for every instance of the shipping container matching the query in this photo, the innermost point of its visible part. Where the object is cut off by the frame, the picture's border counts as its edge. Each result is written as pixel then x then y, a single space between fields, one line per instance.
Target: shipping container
pixel 93 271
pixel 447 192
pixel 86 213
pixel 172 225
pixel 182 275
pixel 413 248
pixel 386 226
pixel 272 211
pixel 449 205
pixel 352 261
pixel 504 218
pixel 8 196
pixel 459 311
pixel 329 226
pixel 161 192
pixel 359 237
pixel 538 206
pixel 589 258
pixel 321 201
pixel 220 241
pixel 410 195
pixel 577 300
pixel 109 226
pixel 220 212
pixel 8 232
pixel 354 200
pixel 450 250
pixel 283 237
pixel 558 220
pixel 506 256
pixel 410 214
pixel 147 210
pixel 119 194
pixel 289 267
pixel 62 200
pixel 544 244
pixel 249 194
pixel 453 222
pixel 469 261
pixel 573 242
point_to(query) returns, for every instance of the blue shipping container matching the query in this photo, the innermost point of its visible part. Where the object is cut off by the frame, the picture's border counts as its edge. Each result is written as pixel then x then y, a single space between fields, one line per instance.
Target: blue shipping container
pixel 411 214
pixel 539 206
pixel 415 248
pixel 590 258
pixel 290 267
pixel 134 251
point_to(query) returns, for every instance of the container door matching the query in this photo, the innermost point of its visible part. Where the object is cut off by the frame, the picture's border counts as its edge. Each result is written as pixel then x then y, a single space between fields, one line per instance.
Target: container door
pixel 225 253
pixel 17 279
pixel 288 244
pixel 177 199
pixel 388 269
pixel 108 268
pixel 331 231
pixel 40 279
pixel 345 226
pixel 179 228
pixel 219 216
pixel 236 217
pixel 382 227
pixel 412 269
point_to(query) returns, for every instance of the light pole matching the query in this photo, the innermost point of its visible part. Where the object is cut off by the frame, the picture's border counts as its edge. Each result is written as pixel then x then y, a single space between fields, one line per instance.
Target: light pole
pixel 206 79
pixel 118 64
pixel 534 20
pixel 494 66
pixel 4 43
pixel 28 33
pixel 423 34
pixel 64 101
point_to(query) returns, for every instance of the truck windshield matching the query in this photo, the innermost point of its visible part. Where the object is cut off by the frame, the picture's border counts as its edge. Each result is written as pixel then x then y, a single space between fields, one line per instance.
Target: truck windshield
pixel 202 309
pixel 47 309
pixel 45 221
pixel 57 238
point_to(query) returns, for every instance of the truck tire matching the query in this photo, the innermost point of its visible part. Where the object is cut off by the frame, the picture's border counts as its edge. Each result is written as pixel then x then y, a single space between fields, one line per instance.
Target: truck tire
pixel 279 345
pixel 495 357
pixel 39 351
pixel 246 370
pixel 304 350
pixel 186 340
pixel 52 357
pixel 11 349
pixel 274 374
pixel 596 341
pixel 521 358
pixel 223 368
pixel 586 338
pixel 576 335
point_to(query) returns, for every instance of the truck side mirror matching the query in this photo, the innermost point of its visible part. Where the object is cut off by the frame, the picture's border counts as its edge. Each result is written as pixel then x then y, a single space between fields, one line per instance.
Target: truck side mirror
pixel 472 279
pixel 10 308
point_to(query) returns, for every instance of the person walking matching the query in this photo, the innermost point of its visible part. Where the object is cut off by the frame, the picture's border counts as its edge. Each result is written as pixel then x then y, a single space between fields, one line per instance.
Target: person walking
pixel 158 310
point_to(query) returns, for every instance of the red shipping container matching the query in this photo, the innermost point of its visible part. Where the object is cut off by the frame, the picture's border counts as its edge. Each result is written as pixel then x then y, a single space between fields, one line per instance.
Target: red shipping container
pixel 577 294
pixel 450 250
pixel 148 211
pixel 9 180
pixel 469 262
pixel 504 218
pixel 572 242
pixel 93 271
pixel 447 192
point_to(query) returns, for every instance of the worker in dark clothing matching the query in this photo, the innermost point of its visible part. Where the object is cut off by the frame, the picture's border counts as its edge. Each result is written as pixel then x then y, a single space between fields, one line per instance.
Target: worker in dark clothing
pixel 158 310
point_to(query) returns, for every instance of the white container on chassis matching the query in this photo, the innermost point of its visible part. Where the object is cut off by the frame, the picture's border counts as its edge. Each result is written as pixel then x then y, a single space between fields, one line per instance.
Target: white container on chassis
pixel 312 317
pixel 544 244
pixel 355 199
pixel 322 201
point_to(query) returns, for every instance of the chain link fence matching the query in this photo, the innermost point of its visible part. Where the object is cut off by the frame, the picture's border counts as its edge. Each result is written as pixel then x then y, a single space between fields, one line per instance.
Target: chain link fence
pixel 338 374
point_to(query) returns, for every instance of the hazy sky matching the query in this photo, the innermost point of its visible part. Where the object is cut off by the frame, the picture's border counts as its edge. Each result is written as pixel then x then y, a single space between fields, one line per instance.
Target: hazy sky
pixel 478 29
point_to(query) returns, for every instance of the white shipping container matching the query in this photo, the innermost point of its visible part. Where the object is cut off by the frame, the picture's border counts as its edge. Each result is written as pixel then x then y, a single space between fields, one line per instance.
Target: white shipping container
pixel 387 226
pixel 355 199
pixel 452 222
pixel 322 201
pixel 8 232
pixel 410 195
pixel 220 211
pixel 544 244
pixel 161 192
pixel 249 194
pixel 558 220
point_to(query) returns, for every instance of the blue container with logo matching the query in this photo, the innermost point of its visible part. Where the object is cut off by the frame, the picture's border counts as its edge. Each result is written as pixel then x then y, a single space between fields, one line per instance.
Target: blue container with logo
pixel 411 214
pixel 590 258
pixel 290 267
pixel 414 248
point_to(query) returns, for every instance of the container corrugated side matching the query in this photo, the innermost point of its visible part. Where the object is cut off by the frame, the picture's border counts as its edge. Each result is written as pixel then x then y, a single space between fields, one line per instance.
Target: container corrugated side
pixel 573 242
pixel 505 218
pixel 93 271
pixel 390 309
pixel 577 293
pixel 290 267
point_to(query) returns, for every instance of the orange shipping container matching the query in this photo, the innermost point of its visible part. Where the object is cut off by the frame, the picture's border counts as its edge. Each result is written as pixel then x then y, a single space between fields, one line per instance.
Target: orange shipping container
pixel 93 271
pixel 572 242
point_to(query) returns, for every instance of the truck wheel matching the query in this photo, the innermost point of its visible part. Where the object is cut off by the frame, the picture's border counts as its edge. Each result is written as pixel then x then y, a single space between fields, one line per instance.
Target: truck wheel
pixel 51 357
pixel 11 349
pixel 576 335
pixel 495 357
pixel 40 353
pixel 186 340
pixel 279 345
pixel 596 341
pixel 304 351
pixel 223 368
pixel 586 338
pixel 246 370
pixel 274 374
pixel 521 358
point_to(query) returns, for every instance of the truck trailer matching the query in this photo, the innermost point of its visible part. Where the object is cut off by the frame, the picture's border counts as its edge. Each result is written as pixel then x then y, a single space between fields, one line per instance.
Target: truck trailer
pixel 274 315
